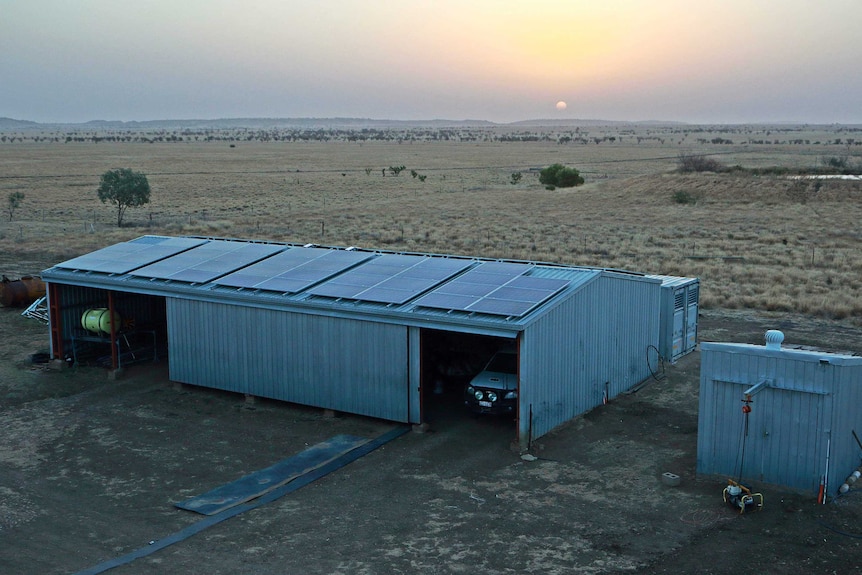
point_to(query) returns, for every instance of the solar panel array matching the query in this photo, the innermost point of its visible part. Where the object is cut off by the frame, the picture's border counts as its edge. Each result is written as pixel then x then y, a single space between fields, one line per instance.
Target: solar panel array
pixel 294 270
pixel 495 288
pixel 391 278
pixel 124 257
pixel 206 262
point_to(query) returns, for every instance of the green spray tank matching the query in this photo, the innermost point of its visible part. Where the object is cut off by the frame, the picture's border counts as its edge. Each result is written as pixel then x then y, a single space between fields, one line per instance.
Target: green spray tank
pixel 98 321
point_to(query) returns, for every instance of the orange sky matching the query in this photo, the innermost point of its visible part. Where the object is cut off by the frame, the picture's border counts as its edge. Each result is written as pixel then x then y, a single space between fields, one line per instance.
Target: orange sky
pixel 723 61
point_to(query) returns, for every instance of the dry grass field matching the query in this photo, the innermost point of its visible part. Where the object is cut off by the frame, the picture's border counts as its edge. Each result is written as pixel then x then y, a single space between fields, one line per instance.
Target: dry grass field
pixel 768 243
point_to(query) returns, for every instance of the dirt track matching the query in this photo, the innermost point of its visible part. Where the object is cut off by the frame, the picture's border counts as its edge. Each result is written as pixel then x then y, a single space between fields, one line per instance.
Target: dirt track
pixel 90 469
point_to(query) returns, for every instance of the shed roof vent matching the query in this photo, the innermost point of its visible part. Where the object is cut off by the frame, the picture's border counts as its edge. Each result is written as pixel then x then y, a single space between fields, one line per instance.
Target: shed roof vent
pixel 774 339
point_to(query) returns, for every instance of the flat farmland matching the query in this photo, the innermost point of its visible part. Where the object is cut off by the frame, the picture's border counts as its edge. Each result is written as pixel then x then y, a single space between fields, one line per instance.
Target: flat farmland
pixel 760 242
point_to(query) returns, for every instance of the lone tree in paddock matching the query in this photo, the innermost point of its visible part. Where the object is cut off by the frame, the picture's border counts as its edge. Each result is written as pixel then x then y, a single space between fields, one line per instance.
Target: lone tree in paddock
pixel 124 188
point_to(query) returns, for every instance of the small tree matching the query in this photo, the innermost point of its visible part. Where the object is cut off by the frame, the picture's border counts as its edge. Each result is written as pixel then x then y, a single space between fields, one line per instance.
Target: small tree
pixel 558 175
pixel 516 177
pixel 14 203
pixel 124 188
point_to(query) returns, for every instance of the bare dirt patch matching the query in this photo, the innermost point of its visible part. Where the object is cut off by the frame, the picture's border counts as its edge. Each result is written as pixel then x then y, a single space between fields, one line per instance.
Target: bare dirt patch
pixel 91 469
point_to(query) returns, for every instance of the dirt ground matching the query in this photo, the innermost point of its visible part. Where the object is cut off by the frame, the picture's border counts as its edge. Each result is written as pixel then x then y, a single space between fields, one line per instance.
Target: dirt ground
pixel 90 469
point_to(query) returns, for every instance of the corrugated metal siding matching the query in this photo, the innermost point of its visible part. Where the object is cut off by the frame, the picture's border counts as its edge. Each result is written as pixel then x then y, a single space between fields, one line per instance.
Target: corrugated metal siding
pixel 809 397
pixel 74 301
pixel 598 336
pixel 346 365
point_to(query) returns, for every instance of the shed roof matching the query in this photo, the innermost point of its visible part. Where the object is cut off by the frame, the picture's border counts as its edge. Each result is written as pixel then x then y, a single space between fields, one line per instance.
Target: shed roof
pixel 797 353
pixel 411 288
pixel 673 281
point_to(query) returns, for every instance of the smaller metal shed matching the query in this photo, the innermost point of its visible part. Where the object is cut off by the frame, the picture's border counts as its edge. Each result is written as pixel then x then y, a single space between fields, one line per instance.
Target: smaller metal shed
pixel 778 414
pixel 680 299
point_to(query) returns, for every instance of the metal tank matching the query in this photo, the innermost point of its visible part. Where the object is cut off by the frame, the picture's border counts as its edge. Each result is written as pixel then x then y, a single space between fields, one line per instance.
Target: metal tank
pixel 21 292
pixel 98 321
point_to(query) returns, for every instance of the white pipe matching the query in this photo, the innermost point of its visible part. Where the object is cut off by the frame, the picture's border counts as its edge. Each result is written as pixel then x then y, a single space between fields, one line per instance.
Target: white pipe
pixel 826 478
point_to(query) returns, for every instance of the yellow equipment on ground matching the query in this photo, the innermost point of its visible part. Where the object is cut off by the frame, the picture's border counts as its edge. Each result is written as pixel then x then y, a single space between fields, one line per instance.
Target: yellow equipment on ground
pixel 740 497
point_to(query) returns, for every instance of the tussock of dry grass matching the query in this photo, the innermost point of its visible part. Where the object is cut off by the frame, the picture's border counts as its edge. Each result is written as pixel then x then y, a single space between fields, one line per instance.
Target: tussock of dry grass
pixel 756 242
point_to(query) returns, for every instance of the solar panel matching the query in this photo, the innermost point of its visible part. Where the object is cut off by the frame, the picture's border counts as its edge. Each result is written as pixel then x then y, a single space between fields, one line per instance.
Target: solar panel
pixel 208 261
pixel 519 293
pixel 502 268
pixel 497 288
pixel 502 307
pixel 447 301
pixel 282 285
pixel 391 278
pixel 386 295
pixel 330 289
pixel 293 270
pixel 124 257
pixel 465 288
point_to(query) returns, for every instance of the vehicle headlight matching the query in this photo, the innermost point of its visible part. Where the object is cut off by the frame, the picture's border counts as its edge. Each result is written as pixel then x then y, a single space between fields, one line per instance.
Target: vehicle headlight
pixel 479 395
pixel 492 396
pixel 470 390
pixel 511 395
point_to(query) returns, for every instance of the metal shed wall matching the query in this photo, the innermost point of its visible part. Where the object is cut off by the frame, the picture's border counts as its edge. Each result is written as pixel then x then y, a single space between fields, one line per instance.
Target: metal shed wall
pixel 591 344
pixel 808 400
pixel 342 364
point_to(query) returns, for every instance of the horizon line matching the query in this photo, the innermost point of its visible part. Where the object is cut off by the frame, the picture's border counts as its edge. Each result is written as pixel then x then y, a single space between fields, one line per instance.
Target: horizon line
pixel 357 119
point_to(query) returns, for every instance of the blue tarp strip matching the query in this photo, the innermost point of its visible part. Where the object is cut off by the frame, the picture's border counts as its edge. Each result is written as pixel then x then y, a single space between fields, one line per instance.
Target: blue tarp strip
pixel 269 497
pixel 263 481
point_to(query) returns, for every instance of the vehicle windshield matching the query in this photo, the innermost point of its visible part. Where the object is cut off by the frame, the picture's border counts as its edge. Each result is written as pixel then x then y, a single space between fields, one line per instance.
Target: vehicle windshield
pixel 503 363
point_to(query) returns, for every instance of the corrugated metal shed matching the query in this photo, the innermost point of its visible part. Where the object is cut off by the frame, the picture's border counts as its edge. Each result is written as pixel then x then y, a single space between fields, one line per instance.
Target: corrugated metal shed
pixel 341 328
pixel 804 403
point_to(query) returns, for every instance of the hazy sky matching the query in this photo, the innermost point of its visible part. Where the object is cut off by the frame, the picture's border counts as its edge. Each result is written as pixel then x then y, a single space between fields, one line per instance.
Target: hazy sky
pixel 722 61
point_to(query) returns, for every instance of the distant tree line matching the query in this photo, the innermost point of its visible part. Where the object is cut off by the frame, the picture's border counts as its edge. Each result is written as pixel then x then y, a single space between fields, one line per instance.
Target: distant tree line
pixel 576 136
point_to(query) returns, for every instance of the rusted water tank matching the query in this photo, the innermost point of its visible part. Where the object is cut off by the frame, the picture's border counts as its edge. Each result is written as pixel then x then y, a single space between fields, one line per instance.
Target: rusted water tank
pixel 98 321
pixel 22 292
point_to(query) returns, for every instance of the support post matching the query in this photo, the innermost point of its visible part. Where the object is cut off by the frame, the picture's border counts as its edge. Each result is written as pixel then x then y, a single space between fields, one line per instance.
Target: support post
pixel 56 320
pixel 115 356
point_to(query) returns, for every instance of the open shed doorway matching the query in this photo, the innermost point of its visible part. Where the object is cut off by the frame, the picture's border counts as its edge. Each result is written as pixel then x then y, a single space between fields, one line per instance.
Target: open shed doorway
pixel 449 361
pixel 82 320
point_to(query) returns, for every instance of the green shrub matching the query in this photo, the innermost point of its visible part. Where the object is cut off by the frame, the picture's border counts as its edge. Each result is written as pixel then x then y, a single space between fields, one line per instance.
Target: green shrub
pixel 683 197
pixel 560 176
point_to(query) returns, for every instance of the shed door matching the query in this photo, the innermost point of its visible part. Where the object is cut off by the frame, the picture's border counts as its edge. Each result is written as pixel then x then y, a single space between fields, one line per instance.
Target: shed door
pixel 786 441
pixel 679 323
pixel 692 297
pixel 685 305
